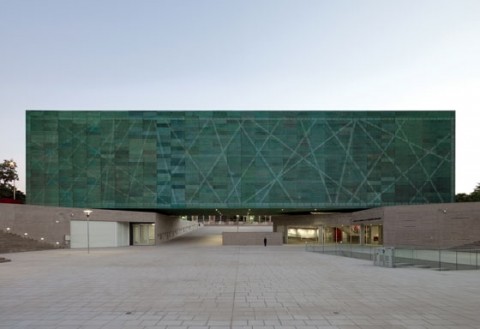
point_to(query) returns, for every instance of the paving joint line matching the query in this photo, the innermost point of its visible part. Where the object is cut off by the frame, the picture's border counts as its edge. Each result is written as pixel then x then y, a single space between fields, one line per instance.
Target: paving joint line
pixel 235 288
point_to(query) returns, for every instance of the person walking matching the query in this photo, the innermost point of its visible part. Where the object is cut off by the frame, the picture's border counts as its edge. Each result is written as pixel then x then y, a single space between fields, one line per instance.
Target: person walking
pixel 265 241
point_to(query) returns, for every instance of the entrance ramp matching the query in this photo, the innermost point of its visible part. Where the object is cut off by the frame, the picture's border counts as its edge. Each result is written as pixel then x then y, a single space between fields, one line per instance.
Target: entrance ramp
pixel 212 235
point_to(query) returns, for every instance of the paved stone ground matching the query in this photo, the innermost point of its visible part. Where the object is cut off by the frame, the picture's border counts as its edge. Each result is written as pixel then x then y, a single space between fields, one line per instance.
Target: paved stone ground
pixel 196 283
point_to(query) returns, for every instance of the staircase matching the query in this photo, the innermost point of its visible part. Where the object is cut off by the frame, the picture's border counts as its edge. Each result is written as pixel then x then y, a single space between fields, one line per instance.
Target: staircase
pixel 10 242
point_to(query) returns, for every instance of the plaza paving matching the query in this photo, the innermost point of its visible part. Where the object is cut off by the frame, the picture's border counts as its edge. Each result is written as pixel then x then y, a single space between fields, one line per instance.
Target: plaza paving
pixel 194 282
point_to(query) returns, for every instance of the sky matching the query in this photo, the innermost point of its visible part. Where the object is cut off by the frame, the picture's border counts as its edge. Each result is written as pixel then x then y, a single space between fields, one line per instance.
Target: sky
pixel 241 55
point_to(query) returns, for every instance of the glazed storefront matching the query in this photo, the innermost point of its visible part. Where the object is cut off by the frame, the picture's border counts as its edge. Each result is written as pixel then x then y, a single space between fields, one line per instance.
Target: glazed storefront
pixel 361 234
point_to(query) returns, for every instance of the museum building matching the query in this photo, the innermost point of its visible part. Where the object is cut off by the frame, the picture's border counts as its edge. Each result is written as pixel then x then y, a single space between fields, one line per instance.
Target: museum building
pixel 357 177
pixel 310 173
pixel 192 162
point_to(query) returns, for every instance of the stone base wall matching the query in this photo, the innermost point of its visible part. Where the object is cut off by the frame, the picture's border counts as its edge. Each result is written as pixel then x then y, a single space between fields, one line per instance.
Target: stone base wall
pixel 52 224
pixel 10 242
pixel 47 224
pixel 437 226
pixel 251 238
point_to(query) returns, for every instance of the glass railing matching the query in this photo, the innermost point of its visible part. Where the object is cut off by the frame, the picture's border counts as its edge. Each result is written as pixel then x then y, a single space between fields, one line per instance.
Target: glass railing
pixel 438 259
pixel 344 249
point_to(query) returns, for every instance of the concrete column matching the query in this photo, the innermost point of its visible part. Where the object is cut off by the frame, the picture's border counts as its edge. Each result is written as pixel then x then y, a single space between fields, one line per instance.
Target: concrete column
pixel 362 234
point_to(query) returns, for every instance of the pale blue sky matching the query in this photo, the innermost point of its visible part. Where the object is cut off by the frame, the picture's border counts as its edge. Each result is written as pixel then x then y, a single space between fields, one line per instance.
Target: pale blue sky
pixel 241 55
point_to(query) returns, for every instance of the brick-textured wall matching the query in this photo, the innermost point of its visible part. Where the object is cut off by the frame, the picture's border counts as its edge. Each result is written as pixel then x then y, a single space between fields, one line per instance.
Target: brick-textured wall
pixel 53 223
pixel 36 222
pixel 444 225
pixel 10 242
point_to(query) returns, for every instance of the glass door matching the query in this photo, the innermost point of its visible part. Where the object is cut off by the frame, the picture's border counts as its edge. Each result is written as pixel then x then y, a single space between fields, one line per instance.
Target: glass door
pixel 143 234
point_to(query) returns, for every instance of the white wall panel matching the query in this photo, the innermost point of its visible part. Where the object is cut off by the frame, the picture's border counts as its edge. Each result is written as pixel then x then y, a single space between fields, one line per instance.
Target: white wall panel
pixel 102 234
pixel 123 234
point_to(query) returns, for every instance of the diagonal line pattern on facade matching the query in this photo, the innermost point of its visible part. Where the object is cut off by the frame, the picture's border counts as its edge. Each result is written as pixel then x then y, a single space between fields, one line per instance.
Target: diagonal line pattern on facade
pixel 275 176
pixel 163 159
pixel 206 176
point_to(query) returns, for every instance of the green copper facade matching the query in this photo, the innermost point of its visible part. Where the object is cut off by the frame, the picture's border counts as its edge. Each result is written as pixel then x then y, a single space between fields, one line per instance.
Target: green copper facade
pixel 192 160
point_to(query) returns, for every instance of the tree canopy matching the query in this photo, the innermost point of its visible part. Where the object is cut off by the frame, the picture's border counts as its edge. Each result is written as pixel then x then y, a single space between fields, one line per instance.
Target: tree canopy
pixel 472 197
pixel 8 176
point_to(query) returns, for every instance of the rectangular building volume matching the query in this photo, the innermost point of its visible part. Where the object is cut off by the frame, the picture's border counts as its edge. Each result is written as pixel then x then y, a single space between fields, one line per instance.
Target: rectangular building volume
pixel 175 161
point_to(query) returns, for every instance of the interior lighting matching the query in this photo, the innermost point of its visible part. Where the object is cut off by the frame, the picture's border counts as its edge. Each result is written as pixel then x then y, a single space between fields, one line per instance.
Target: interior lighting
pixel 57 243
pixel 25 233
pixel 8 228
pixel 42 238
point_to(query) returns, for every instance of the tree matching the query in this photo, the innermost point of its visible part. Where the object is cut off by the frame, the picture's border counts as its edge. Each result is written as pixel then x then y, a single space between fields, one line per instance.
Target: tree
pixel 475 195
pixel 8 176
pixel 461 197
pixel 472 197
